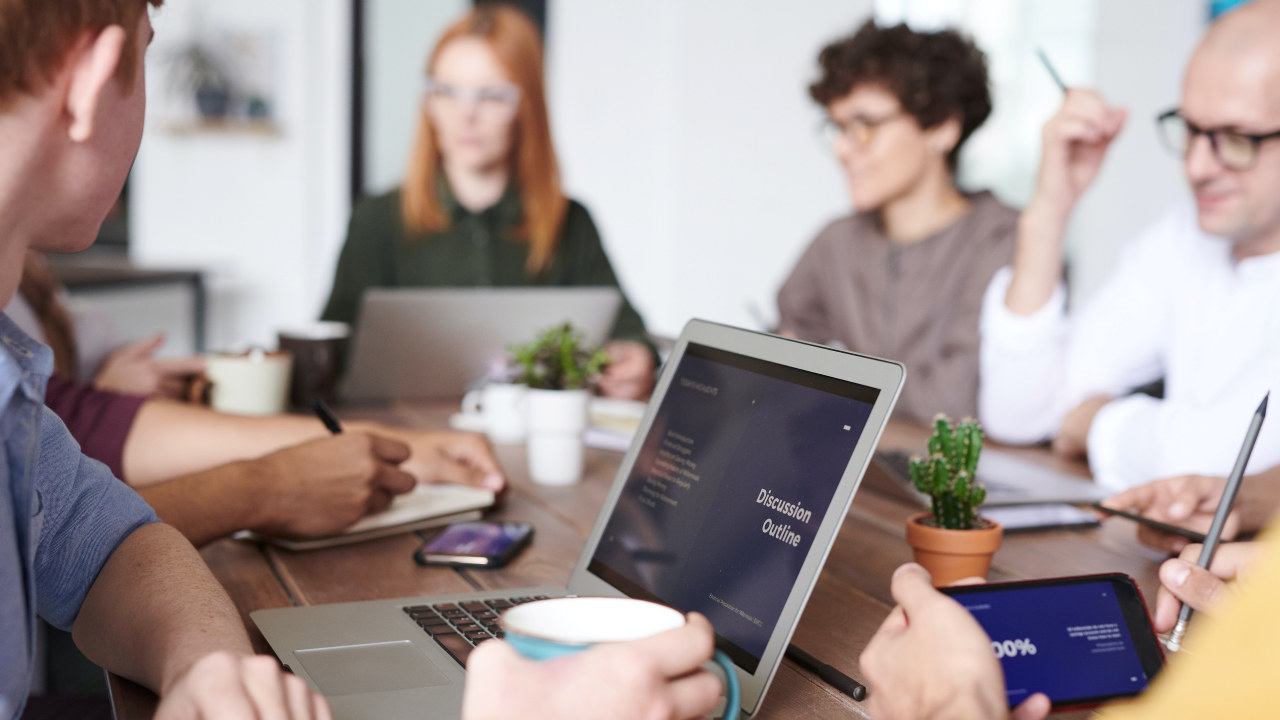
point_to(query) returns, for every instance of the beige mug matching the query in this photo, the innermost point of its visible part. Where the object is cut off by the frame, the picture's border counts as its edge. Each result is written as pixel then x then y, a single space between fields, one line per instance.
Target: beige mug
pixel 248 383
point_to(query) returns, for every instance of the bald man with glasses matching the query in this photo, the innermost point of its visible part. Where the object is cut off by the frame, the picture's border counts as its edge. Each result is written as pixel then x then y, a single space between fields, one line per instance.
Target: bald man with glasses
pixel 1194 299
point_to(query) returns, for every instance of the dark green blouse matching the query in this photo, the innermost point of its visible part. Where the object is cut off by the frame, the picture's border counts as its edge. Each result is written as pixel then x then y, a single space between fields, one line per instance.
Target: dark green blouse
pixel 476 250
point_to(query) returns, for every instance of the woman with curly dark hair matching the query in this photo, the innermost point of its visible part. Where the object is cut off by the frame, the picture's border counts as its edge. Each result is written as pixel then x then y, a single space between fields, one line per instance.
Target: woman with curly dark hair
pixel 903 276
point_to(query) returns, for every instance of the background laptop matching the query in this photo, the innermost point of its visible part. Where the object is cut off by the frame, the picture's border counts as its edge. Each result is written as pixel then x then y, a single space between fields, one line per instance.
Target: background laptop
pixel 727 503
pixel 1009 480
pixel 434 342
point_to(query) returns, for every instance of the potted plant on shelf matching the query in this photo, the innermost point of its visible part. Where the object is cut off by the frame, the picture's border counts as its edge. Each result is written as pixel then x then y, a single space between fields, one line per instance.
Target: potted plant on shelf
pixel 559 371
pixel 200 70
pixel 952 541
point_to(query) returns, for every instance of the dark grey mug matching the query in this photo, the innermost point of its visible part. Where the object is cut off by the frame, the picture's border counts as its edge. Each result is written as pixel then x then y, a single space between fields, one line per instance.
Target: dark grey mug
pixel 319 353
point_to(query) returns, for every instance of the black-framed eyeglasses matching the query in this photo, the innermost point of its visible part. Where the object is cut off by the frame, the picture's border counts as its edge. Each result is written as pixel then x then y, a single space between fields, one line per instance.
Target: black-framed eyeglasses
pixel 858 129
pixel 1232 148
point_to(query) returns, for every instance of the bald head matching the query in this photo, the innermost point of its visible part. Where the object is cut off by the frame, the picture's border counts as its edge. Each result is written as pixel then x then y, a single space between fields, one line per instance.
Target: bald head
pixel 1248 27
pixel 1240 50
pixel 1233 83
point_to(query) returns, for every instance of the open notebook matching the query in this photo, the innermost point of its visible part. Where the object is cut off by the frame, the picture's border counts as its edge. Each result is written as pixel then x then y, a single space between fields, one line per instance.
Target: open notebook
pixel 423 507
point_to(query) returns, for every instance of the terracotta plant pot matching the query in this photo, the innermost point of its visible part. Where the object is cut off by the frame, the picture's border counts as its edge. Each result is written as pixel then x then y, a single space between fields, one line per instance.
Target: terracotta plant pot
pixel 950 555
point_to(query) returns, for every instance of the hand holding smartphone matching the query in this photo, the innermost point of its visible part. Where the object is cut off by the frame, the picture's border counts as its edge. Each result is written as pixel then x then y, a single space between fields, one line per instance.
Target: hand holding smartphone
pixel 476 544
pixel 1080 640
pixel 1191 535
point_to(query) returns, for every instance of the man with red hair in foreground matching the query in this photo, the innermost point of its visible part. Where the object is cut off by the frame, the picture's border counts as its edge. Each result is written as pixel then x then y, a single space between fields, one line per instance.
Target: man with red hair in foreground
pixel 77 546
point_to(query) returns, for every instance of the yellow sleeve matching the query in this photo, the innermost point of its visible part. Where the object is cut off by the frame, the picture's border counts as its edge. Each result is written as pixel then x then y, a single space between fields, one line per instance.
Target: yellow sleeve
pixel 1231 665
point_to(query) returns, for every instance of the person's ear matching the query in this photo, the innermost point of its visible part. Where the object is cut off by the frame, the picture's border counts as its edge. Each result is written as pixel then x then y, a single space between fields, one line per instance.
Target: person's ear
pixel 944 136
pixel 93 64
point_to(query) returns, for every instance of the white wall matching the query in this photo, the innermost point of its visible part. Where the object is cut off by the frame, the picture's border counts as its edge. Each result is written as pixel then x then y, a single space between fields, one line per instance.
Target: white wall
pixel 265 214
pixel 686 129
pixel 1141 49
pixel 398 36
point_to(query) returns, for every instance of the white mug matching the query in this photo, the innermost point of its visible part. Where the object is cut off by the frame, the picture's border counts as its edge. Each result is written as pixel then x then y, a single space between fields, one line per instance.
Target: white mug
pixel 252 383
pixel 501 408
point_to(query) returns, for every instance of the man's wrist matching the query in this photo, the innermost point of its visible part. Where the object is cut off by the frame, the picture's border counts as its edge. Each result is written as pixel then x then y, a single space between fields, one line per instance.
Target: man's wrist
pixel 180 669
pixel 256 484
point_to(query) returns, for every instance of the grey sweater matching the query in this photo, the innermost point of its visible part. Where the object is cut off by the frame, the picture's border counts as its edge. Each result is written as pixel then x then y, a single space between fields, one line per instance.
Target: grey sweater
pixel 917 303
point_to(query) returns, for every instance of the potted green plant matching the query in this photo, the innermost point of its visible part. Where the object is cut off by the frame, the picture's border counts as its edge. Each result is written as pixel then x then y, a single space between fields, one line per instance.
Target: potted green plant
pixel 559 370
pixel 952 541
pixel 198 69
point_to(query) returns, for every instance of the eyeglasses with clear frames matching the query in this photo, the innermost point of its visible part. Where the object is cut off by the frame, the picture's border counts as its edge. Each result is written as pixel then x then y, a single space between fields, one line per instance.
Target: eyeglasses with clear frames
pixel 496 101
pixel 858 129
pixel 1234 149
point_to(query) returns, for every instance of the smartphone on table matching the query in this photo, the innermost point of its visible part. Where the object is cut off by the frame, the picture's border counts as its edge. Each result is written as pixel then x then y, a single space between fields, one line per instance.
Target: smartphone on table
pixel 476 544
pixel 1082 640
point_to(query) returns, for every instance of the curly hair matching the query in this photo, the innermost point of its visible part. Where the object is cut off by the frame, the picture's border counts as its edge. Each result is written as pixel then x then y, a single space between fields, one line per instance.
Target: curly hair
pixel 935 75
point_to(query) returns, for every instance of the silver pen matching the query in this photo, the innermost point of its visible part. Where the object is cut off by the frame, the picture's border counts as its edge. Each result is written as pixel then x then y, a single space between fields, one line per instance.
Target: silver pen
pixel 1174 643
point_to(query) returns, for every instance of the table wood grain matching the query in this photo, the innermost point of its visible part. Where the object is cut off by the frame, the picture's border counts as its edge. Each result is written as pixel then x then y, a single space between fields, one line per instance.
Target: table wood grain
pixel 847 605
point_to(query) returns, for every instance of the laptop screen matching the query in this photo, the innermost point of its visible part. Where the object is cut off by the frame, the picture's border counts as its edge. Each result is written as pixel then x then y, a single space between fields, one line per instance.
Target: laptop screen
pixel 729 487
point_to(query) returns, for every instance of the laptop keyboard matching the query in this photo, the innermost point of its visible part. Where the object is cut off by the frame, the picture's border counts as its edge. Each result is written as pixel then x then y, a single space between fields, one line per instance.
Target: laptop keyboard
pixel 459 627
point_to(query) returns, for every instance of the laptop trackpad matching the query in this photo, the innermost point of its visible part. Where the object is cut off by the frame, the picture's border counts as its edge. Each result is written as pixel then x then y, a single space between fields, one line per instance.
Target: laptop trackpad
pixel 377 667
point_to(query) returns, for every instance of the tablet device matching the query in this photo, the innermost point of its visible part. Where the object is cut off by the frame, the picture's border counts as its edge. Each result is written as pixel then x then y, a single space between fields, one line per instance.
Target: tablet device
pixel 1046 516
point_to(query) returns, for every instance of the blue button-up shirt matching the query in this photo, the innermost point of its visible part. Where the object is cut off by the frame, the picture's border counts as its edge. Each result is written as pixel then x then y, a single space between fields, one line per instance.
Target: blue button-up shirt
pixel 61 514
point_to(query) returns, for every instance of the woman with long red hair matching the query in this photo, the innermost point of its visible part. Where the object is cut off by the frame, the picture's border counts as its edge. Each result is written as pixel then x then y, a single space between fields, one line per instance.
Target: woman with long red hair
pixel 481 204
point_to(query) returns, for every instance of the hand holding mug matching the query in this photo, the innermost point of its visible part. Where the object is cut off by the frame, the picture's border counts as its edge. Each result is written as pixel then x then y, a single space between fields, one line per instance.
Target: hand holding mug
pixel 633 670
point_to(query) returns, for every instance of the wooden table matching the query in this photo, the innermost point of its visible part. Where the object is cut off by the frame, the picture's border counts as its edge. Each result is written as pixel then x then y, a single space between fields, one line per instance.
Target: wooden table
pixel 848 603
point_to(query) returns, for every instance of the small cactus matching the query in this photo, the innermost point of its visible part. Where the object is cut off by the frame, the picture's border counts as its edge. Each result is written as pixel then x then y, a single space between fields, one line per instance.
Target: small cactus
pixel 949 475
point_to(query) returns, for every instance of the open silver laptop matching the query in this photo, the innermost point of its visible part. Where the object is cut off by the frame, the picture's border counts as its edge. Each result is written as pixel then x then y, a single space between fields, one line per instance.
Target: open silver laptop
pixel 1010 480
pixel 434 342
pixel 727 504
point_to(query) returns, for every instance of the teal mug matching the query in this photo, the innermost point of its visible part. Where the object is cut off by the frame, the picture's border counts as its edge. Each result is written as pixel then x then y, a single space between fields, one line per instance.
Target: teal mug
pixel 548 629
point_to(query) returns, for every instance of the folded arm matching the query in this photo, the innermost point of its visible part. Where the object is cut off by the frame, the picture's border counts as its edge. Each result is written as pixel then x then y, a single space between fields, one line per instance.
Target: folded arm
pixel 1138 438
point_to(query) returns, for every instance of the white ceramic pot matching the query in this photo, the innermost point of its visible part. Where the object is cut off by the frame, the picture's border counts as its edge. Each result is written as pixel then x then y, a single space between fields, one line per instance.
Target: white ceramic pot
pixel 555 423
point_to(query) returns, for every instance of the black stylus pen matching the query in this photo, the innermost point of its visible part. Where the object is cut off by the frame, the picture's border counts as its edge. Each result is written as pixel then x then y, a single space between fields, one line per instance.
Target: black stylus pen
pixel 1220 516
pixel 326 416
pixel 828 674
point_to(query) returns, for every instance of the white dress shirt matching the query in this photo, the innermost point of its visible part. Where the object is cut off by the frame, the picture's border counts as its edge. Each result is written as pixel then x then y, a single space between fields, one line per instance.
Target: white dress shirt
pixel 1177 306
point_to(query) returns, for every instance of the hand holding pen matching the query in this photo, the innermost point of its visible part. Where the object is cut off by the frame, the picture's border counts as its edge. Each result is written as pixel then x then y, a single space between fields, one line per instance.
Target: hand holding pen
pixel 1182 580
pixel 1074 143
pixel 326 416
